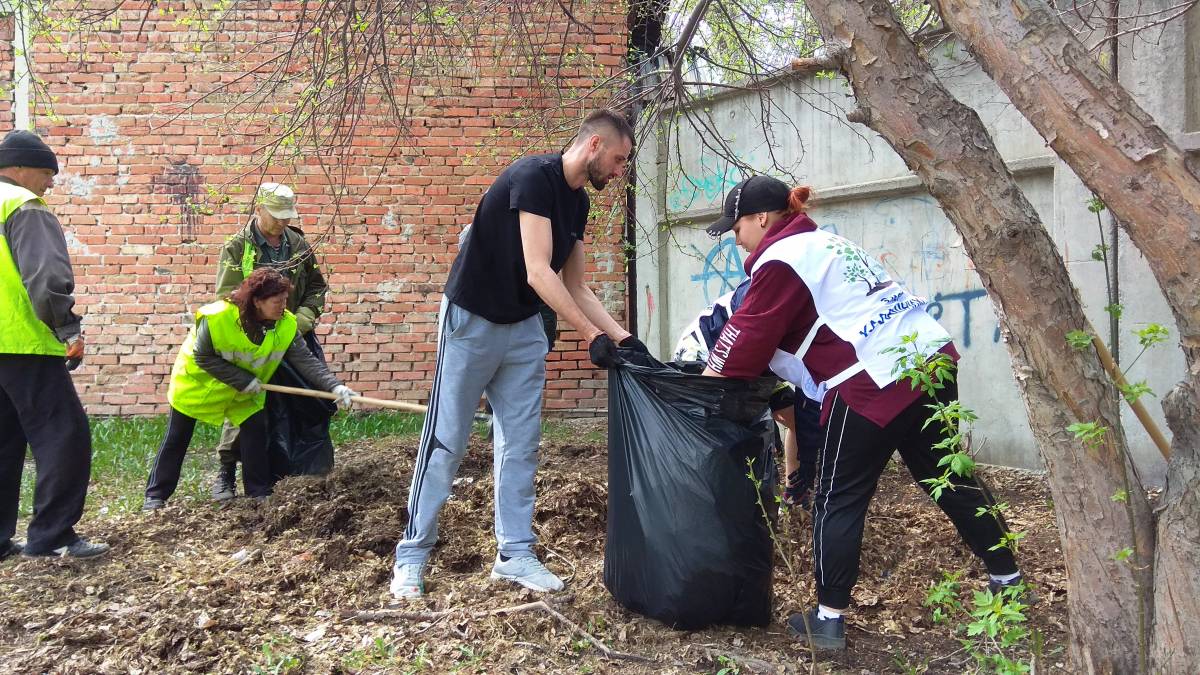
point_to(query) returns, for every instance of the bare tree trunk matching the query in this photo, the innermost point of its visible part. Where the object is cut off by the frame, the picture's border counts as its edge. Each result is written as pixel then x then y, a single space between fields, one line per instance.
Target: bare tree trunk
pixel 1177 563
pixel 1019 265
pixel 1096 127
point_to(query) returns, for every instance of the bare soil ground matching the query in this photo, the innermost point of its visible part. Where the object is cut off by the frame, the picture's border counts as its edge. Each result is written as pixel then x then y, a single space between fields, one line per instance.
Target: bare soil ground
pixel 265 588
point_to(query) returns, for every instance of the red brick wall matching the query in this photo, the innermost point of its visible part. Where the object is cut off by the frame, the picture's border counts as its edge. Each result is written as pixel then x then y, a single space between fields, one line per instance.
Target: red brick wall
pixel 6 71
pixel 134 153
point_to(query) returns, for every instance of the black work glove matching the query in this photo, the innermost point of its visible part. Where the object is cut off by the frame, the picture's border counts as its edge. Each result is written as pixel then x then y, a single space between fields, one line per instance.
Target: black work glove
pixel 603 352
pixel 634 345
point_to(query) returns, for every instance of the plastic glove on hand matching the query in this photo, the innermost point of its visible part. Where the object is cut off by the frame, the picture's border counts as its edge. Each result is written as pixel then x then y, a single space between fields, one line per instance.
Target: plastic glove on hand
pixel 603 352
pixel 634 345
pixel 344 394
pixel 253 388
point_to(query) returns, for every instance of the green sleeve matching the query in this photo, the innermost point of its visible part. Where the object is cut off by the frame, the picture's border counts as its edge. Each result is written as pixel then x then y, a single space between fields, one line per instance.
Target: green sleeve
pixel 314 292
pixel 229 268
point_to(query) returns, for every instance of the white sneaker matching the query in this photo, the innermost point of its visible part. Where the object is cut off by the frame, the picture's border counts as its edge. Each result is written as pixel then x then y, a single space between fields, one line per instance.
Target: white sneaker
pixel 527 571
pixel 408 581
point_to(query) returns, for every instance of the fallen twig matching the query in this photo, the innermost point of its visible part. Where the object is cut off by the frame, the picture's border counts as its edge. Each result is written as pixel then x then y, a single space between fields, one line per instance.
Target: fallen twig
pixel 745 661
pixel 603 648
pixel 541 605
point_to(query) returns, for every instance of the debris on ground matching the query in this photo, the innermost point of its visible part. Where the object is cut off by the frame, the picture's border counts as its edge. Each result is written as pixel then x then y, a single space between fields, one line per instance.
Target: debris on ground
pixel 290 585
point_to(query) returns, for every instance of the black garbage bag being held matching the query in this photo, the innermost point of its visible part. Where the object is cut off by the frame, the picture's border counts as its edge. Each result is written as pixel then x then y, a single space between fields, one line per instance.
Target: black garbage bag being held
pixel 298 428
pixel 687 541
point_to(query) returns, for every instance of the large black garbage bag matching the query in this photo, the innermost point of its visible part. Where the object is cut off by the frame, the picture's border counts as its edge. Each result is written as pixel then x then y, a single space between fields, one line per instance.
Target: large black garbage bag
pixel 687 541
pixel 298 428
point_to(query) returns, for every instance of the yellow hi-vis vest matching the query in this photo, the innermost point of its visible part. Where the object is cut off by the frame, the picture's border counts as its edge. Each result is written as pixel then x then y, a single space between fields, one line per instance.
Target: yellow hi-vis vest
pixel 197 394
pixel 21 331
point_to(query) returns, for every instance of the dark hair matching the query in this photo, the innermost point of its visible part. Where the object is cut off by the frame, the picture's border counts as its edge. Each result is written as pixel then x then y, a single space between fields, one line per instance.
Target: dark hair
pixel 262 283
pixel 604 120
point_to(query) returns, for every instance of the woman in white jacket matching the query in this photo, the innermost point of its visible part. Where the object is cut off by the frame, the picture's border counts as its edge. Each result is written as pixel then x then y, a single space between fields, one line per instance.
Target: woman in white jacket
pixel 819 301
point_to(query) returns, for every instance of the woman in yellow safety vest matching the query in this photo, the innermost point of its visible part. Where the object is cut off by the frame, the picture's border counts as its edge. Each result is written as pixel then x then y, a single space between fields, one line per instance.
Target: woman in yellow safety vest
pixel 235 346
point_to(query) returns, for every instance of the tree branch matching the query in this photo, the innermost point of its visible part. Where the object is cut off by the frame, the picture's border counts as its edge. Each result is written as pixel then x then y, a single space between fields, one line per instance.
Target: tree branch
pixel 833 59
pixel 685 38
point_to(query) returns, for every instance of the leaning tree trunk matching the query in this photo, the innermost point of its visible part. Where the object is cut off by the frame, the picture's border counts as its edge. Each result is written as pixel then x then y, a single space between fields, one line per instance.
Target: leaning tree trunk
pixel 1096 127
pixel 1119 152
pixel 1019 265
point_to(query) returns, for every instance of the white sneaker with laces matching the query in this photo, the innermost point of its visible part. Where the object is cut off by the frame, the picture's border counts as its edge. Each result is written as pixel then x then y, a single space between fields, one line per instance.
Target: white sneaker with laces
pixel 527 571
pixel 408 581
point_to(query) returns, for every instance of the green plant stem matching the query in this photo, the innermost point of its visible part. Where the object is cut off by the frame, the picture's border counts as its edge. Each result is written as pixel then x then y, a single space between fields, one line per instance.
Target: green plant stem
pixel 1113 322
pixel 766 518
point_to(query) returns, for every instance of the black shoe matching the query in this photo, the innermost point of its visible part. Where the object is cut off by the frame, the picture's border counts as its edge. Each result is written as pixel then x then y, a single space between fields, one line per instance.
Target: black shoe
pixel 826 634
pixel 153 504
pixel 225 486
pixel 1021 591
pixel 9 549
pixel 80 549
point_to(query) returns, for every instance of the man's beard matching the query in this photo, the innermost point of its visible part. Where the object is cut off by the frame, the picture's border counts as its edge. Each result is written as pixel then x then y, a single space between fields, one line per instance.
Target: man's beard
pixel 596 177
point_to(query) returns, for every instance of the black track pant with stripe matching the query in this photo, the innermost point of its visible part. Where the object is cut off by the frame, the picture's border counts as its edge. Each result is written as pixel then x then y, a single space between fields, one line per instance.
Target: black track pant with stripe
pixel 855 454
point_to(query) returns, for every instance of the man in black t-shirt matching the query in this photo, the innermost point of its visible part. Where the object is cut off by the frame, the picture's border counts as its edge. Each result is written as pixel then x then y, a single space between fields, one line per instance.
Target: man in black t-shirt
pixel 528 229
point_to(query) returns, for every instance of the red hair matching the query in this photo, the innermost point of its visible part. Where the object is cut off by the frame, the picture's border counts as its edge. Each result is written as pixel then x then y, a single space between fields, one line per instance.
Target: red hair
pixel 262 283
pixel 798 199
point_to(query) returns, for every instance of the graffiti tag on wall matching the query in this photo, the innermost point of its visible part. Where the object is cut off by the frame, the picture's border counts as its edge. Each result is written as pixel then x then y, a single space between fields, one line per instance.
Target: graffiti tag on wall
pixel 722 269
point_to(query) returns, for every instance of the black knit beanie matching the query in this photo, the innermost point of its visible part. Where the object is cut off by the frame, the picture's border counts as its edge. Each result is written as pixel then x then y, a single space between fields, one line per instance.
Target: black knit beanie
pixel 24 148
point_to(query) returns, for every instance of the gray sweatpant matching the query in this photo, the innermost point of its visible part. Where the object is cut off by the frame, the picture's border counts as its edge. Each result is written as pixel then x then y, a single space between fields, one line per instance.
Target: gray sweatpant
pixel 507 362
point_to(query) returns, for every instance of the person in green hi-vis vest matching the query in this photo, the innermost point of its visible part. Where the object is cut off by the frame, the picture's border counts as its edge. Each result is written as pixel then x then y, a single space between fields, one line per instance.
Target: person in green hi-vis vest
pixel 299 428
pixel 234 346
pixel 39 335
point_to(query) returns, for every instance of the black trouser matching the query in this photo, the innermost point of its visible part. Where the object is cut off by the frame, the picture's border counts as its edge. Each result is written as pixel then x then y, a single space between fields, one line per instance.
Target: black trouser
pixel 855 453
pixel 230 454
pixel 40 409
pixel 807 413
pixel 168 463
pixel 549 324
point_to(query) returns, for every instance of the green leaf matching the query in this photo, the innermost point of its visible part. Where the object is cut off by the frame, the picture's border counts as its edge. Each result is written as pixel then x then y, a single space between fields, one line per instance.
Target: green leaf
pixel 1123 554
pixel 1079 340
pixel 1100 253
pixel 1091 433
pixel 962 464
pixel 1115 310
pixel 1152 335
pixel 1120 495
pixel 1095 204
pixel 1133 392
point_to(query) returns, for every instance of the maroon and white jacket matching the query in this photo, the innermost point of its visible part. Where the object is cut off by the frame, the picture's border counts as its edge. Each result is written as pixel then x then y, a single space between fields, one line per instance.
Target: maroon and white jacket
pixel 819 301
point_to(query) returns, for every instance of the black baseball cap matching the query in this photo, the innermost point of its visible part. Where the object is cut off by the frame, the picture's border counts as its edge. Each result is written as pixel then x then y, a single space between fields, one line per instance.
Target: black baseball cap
pixel 756 194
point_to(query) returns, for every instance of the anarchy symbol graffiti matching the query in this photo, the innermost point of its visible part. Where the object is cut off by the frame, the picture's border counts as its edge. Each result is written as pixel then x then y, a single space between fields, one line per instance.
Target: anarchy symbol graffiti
pixel 722 269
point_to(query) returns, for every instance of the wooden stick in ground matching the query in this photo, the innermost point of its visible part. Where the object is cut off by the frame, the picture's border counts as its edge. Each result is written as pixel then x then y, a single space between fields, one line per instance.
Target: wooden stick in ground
pixel 1139 410
pixel 394 405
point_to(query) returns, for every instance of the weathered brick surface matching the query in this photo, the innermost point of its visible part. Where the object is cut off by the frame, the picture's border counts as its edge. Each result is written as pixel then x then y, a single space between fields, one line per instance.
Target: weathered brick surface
pixel 134 153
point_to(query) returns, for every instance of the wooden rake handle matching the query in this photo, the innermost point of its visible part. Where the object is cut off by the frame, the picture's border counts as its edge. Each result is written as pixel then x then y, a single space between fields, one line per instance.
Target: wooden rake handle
pixel 1139 410
pixel 394 405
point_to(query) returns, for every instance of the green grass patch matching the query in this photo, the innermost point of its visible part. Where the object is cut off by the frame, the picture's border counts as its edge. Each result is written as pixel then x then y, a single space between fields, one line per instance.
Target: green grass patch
pixel 123 448
pixel 561 431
